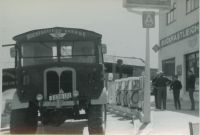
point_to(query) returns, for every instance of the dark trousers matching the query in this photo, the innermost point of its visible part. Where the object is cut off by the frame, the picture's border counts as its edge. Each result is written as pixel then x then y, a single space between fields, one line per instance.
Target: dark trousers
pixel 192 99
pixel 161 97
pixel 176 99
pixel 156 99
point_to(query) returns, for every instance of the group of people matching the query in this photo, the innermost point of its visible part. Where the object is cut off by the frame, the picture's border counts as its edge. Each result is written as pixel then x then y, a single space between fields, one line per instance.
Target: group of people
pixel 160 83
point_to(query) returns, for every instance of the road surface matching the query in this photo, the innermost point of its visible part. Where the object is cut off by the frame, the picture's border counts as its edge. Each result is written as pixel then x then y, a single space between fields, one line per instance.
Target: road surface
pixel 116 125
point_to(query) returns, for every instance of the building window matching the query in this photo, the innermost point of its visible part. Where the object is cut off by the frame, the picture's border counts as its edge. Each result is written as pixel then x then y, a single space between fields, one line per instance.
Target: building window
pixel 192 63
pixel 171 15
pixel 191 5
pixel 168 67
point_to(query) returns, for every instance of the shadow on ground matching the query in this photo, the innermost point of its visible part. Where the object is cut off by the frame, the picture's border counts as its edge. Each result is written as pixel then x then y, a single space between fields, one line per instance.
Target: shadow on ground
pixel 119 115
pixel 75 127
pixel 185 108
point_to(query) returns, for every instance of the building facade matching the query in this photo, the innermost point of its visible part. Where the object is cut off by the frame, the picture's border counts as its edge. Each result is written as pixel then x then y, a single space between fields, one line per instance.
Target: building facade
pixel 179 43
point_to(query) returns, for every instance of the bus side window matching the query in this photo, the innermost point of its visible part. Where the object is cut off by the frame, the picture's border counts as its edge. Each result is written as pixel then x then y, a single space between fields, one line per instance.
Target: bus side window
pixel 100 55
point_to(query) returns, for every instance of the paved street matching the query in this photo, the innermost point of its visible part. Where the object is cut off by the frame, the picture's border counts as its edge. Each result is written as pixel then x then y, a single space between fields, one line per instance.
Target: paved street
pixel 162 123
pixel 115 125
pixel 167 122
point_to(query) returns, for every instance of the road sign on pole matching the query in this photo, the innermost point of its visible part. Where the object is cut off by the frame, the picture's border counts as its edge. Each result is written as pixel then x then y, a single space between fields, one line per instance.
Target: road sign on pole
pixel 148 19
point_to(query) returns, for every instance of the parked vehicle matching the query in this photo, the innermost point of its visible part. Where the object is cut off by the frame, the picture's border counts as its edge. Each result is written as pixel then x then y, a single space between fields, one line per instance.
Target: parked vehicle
pixel 58 73
pixel 130 92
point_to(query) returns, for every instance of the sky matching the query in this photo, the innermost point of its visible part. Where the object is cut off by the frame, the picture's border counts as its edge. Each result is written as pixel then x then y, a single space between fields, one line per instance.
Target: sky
pixel 121 30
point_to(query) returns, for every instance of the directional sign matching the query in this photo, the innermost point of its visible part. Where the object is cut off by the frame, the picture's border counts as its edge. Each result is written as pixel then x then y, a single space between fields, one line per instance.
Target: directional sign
pixel 156 48
pixel 156 4
pixel 148 19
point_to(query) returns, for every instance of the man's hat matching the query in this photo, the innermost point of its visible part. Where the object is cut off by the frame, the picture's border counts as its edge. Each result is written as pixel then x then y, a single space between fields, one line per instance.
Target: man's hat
pixel 160 72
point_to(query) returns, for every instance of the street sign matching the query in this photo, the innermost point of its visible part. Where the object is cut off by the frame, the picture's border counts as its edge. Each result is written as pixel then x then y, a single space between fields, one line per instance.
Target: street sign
pixel 148 19
pixel 156 48
pixel 156 4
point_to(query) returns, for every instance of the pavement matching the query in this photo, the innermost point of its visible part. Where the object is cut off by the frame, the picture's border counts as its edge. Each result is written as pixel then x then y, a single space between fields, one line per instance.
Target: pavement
pixel 166 123
pixel 163 122
pixel 169 121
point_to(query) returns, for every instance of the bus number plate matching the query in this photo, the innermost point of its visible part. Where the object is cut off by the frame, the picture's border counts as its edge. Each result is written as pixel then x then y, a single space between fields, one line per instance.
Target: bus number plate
pixel 62 96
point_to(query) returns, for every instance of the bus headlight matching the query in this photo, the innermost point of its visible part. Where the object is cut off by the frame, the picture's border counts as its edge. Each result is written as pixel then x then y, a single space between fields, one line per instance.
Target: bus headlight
pixel 75 93
pixel 39 97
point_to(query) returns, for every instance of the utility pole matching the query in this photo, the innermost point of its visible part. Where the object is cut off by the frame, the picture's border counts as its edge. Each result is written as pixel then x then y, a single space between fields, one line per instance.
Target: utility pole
pixel 0 90
pixel 147 114
pixel 148 19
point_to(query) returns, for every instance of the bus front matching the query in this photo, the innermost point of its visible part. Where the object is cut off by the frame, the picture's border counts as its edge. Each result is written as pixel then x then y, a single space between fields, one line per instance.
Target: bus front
pixel 59 72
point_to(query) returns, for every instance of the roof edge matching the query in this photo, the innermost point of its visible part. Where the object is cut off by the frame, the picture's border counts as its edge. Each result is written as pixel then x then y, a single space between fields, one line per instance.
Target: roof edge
pixel 53 29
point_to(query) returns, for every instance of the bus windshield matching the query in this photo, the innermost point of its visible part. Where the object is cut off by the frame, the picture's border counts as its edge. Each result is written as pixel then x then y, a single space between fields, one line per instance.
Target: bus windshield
pixel 44 52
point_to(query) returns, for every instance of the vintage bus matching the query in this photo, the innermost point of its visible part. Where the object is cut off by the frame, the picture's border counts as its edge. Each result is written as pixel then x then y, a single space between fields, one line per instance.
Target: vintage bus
pixel 58 73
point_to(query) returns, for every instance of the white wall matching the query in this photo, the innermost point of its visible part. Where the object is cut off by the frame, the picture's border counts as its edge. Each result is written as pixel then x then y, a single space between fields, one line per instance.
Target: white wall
pixel 182 20
pixel 178 51
pixel 182 47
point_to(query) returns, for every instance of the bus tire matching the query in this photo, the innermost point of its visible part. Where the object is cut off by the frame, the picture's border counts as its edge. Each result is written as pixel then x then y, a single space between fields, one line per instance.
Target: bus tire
pixel 97 119
pixel 23 121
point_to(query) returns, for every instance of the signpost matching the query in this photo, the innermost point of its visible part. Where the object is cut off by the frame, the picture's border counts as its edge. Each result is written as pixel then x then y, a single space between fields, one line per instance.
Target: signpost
pixel 148 20
pixel 0 90
pixel 156 48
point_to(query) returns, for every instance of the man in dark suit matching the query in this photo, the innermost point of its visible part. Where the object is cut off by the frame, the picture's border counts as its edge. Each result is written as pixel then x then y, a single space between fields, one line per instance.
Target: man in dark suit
pixel 191 88
pixel 161 85
pixel 176 87
pixel 155 89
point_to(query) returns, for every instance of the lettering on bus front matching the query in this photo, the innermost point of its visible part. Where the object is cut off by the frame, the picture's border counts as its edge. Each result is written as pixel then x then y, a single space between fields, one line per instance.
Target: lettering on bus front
pixel 56 31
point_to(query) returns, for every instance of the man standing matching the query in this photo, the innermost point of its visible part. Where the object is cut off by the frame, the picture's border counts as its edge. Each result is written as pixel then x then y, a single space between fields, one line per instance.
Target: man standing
pixel 176 87
pixel 191 88
pixel 161 85
pixel 155 89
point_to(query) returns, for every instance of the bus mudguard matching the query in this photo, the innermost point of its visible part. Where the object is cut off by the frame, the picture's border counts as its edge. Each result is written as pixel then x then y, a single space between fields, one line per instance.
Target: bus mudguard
pixel 17 104
pixel 103 98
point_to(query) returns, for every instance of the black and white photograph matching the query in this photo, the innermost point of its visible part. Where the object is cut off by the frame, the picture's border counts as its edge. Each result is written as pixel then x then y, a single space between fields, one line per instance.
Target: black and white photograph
pixel 99 67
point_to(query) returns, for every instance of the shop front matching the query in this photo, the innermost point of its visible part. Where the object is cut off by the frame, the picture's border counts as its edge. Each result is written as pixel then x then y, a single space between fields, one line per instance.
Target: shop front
pixel 192 64
pixel 179 55
pixel 168 67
